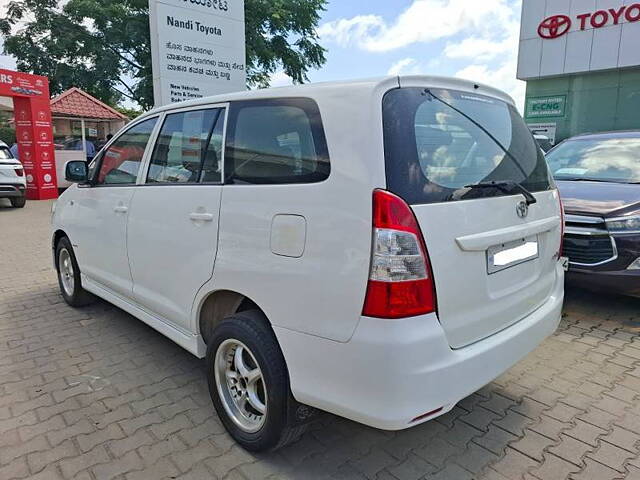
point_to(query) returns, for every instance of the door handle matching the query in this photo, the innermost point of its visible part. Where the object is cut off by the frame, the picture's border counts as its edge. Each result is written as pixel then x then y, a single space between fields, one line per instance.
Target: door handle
pixel 201 217
pixel 120 209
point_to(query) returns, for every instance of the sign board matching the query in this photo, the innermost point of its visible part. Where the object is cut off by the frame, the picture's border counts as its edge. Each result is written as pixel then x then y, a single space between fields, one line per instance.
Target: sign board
pixel 568 37
pixel 541 107
pixel 197 48
pixel 34 132
pixel 546 129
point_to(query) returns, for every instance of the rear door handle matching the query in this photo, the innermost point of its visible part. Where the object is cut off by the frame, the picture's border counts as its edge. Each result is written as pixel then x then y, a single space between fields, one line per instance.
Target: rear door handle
pixel 120 209
pixel 201 217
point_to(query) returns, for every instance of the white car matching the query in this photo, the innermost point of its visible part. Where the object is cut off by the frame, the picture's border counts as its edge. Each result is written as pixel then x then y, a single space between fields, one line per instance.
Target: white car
pixel 375 249
pixel 13 183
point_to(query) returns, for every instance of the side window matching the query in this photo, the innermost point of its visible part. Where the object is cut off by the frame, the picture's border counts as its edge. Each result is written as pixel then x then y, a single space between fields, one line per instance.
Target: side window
pixel 121 161
pixel 276 141
pixel 185 151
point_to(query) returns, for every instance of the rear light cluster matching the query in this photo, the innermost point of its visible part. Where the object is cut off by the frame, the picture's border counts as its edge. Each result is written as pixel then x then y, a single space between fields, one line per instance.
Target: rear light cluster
pixel 400 280
pixel 19 172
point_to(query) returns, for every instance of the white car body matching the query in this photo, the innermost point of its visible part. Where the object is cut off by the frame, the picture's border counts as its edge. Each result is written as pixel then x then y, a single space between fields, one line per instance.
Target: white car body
pixel 13 182
pixel 302 254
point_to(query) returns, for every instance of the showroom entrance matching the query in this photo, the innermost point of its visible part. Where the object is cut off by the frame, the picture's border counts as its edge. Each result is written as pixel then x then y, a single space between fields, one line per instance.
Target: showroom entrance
pixel 34 133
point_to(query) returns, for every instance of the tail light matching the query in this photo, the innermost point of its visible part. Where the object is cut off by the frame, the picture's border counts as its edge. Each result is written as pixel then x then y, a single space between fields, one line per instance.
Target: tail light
pixel 19 172
pixel 400 280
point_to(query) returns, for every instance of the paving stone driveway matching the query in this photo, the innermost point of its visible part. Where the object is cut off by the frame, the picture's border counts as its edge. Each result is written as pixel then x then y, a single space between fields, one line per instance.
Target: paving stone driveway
pixel 96 394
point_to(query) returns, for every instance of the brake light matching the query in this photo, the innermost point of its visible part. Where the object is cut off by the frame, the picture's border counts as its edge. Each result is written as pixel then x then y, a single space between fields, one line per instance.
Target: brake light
pixel 400 280
pixel 19 172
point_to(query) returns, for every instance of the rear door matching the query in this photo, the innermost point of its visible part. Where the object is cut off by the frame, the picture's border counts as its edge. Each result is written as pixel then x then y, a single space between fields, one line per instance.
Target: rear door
pixel 172 234
pixel 493 256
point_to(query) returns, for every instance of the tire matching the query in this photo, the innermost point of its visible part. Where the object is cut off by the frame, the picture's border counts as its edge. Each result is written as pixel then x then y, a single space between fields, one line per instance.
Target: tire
pixel 69 276
pixel 274 429
pixel 18 202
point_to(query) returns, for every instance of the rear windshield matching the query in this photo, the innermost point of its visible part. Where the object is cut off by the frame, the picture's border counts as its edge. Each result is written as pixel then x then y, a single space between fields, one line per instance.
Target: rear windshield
pixel 433 152
pixel 600 159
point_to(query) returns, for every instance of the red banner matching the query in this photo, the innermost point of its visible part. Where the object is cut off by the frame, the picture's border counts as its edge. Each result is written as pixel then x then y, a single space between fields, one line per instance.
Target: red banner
pixel 34 131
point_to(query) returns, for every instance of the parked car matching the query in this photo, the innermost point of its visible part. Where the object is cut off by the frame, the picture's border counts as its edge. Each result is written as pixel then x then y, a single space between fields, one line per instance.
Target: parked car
pixel 599 180
pixel 375 249
pixel 544 142
pixel 13 183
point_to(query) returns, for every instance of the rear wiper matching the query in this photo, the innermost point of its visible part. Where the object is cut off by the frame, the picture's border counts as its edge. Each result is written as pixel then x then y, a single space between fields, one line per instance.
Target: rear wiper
pixel 507 186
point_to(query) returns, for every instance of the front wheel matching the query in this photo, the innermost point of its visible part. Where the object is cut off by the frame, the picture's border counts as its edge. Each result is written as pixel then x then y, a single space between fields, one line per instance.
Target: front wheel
pixel 69 276
pixel 18 202
pixel 249 383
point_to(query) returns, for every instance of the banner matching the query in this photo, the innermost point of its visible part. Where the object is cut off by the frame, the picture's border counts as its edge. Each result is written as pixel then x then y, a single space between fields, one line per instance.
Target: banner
pixel 34 131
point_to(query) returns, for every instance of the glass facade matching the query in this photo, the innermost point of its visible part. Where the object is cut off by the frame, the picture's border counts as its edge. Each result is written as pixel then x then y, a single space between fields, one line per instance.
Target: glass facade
pixel 595 102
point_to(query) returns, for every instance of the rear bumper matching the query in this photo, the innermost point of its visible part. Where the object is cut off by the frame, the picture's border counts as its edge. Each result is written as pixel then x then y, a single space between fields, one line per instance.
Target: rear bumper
pixel 392 371
pixel 9 191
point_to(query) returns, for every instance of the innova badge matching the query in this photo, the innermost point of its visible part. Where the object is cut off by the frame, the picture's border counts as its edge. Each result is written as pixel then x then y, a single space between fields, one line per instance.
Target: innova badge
pixel 522 209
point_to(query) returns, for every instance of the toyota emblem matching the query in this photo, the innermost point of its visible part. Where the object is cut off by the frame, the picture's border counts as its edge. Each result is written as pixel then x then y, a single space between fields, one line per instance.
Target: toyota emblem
pixel 522 209
pixel 554 27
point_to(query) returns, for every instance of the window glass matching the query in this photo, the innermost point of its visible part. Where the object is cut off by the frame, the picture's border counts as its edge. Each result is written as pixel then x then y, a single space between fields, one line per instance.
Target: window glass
pixel 212 166
pixel 276 141
pixel 181 154
pixel 433 151
pixel 5 154
pixel 606 159
pixel 121 161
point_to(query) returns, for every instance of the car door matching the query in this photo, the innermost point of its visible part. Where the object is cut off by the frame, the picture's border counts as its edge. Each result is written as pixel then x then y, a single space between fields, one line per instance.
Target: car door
pixel 172 233
pixel 101 209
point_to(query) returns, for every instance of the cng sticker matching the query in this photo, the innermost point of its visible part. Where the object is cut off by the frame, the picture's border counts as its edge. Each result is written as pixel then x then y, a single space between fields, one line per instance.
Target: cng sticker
pixel 540 107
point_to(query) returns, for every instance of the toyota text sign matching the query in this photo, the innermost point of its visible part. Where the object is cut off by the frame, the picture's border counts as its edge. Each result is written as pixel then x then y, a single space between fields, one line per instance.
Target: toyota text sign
pixel 557 25
pixel 562 37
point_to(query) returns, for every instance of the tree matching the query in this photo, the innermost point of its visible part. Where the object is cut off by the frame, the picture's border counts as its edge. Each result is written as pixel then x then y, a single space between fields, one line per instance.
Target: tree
pixel 103 46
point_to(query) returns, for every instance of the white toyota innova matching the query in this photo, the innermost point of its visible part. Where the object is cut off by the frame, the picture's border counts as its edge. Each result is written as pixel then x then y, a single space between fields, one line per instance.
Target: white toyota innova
pixel 375 249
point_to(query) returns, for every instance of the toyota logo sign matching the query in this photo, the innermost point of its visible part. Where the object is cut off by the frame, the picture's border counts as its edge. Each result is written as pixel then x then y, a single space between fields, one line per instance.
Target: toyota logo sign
pixel 554 27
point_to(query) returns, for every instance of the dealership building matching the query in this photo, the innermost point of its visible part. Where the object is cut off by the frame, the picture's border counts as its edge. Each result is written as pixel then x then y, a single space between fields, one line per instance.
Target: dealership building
pixel 581 62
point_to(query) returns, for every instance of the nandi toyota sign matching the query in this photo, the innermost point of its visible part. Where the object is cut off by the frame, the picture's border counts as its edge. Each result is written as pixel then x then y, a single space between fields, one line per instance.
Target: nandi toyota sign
pixel 197 48
pixel 560 37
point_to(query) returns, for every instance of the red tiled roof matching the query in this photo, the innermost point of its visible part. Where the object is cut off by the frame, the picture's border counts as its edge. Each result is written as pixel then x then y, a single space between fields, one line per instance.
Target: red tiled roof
pixel 77 103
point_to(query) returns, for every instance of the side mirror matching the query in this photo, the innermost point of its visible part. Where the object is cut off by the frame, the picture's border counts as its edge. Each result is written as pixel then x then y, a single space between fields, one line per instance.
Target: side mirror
pixel 76 172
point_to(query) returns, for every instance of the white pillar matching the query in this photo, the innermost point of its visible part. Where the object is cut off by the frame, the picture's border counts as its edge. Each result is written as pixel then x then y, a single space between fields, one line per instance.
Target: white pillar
pixel 84 143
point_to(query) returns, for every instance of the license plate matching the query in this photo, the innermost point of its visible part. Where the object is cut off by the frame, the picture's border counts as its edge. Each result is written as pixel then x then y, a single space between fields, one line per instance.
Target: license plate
pixel 564 261
pixel 507 255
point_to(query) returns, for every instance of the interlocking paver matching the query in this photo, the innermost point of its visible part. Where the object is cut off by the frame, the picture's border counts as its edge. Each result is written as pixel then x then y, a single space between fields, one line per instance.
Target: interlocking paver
pixel 571 449
pixel 532 444
pixel 585 432
pixel 93 393
pixel 554 468
pixel 596 471
pixel 612 456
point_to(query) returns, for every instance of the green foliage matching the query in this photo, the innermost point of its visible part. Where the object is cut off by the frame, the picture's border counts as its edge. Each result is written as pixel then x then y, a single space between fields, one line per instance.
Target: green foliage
pixel 131 113
pixel 7 131
pixel 7 134
pixel 103 46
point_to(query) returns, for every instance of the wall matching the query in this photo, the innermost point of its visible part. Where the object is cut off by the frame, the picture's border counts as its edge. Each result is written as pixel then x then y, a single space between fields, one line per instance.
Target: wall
pixel 595 102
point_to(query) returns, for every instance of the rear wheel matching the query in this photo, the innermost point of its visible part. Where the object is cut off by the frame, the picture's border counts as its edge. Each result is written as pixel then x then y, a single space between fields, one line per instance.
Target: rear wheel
pixel 18 202
pixel 249 383
pixel 69 276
